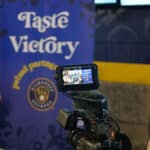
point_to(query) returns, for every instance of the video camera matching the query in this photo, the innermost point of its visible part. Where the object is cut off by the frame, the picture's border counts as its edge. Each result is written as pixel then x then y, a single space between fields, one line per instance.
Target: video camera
pixel 90 125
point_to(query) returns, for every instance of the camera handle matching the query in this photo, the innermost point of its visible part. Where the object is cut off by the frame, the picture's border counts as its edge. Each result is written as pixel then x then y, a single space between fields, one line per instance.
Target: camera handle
pixel 93 101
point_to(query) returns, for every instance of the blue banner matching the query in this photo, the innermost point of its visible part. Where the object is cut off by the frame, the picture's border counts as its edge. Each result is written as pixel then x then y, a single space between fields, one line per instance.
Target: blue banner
pixel 35 37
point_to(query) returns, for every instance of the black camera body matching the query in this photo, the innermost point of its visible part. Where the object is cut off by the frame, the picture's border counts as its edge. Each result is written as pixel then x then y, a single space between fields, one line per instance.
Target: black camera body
pixel 90 125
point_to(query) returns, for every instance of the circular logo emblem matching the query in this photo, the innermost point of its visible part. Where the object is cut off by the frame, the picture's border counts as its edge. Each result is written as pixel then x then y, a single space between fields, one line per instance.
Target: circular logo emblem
pixel 42 94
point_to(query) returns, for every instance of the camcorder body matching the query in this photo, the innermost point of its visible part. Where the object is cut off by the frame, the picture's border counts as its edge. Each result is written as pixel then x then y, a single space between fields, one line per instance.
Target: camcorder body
pixel 89 125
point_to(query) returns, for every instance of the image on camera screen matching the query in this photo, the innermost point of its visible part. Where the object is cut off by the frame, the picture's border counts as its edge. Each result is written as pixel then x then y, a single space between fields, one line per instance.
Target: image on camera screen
pixel 77 76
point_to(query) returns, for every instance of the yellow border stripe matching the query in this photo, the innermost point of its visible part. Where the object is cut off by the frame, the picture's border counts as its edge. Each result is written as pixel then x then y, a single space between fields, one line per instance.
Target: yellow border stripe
pixel 124 72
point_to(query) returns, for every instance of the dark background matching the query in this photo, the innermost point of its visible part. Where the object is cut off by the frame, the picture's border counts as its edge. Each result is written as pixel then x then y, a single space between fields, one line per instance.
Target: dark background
pixel 123 34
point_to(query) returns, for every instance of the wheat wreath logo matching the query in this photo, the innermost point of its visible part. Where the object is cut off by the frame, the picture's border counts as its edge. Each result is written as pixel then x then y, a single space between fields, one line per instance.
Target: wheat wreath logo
pixel 42 94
